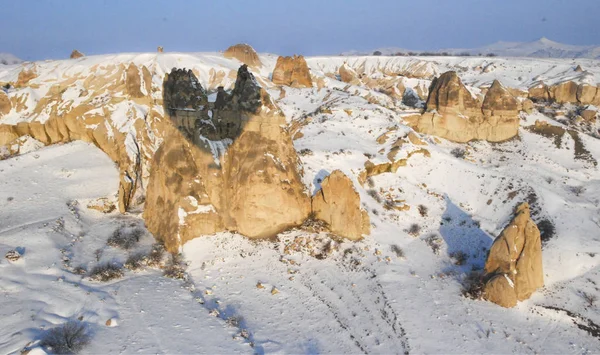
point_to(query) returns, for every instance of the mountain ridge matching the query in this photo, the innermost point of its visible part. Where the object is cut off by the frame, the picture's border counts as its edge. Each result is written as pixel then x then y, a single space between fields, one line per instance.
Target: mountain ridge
pixel 540 48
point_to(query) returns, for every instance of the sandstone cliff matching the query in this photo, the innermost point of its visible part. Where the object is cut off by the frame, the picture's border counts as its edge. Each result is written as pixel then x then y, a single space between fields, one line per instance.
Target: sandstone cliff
pixel 292 71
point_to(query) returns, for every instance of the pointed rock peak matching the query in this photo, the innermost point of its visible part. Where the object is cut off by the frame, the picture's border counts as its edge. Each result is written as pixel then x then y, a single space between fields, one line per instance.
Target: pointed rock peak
pixel 496 85
pixel 579 69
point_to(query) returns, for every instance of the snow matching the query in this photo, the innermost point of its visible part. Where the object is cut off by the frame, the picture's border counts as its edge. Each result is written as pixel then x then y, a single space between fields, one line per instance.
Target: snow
pixel 332 296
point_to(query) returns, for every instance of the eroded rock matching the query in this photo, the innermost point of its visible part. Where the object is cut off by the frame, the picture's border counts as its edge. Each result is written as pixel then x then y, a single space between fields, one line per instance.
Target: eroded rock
pixel 452 112
pixel 244 53
pixel 338 204
pixel 292 71
pixel 514 265
pixel 76 54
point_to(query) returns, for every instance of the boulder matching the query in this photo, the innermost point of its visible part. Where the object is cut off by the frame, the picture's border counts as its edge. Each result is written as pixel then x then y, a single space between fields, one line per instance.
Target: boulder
pixel 453 113
pixel 527 106
pixel 338 204
pixel 514 264
pixel 76 54
pixel 244 53
pixel 160 49
pixel 589 115
pixel 292 71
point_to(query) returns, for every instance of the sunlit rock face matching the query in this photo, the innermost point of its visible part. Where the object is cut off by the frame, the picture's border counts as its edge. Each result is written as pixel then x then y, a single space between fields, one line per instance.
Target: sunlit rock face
pixel 514 265
pixel 244 53
pixel 454 113
pixel 241 176
pixel 292 71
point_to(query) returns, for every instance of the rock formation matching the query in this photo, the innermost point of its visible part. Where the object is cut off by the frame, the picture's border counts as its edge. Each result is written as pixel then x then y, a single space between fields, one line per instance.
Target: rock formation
pixel 5 104
pixel 348 75
pixel 160 49
pixel 76 54
pixel 245 54
pixel 228 166
pixel 338 204
pixel 292 71
pixel 253 188
pixel 514 265
pixel 453 113
pixel 566 92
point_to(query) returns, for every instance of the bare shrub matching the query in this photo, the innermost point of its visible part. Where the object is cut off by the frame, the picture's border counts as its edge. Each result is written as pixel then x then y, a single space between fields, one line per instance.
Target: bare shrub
pixel 125 238
pixel 175 268
pixel 460 258
pixel 68 338
pixel 398 251
pixel 458 152
pixel 136 262
pixel 414 229
pixel 434 243
pixel 589 298
pixel 155 257
pixel 473 285
pixel 370 182
pixel 423 210
pixel 98 254
pixel 80 270
pixel 373 193
pixel 577 190
pixel 106 272
pixel 305 152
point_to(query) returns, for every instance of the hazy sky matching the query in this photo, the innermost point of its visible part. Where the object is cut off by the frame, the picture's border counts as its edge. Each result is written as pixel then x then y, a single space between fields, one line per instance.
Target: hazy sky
pixel 51 29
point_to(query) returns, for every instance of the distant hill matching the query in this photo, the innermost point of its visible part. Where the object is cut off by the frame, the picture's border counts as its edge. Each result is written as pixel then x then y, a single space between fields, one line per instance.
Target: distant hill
pixel 541 48
pixel 8 59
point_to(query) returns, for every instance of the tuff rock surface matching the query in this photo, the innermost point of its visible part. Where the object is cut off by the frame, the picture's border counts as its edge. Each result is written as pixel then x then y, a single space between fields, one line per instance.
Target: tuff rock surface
pixel 292 71
pixel 514 264
pixel 244 53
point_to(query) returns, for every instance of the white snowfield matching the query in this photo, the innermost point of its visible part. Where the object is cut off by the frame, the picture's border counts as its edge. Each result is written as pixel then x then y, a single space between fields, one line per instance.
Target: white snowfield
pixel 392 292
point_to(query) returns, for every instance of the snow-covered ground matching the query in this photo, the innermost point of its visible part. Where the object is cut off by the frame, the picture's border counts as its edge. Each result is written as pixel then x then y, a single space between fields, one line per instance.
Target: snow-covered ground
pixel 398 290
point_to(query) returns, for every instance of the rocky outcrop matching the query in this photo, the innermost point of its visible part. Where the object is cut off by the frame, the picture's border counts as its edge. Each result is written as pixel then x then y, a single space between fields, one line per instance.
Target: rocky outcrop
pixel 348 75
pixel 514 265
pixel 5 104
pixel 160 49
pixel 452 112
pixel 292 71
pixel 244 53
pixel 338 204
pixel 566 92
pixel 76 54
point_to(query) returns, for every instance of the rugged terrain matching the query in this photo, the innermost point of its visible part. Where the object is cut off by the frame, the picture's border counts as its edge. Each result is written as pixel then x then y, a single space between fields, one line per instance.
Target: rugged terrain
pixel 432 205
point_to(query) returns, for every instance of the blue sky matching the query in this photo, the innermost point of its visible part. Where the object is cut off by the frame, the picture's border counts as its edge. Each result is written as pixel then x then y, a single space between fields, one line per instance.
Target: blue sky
pixel 40 29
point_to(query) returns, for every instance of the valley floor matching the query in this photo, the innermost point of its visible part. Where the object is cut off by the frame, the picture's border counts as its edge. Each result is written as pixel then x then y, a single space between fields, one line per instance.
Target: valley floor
pixel 304 292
